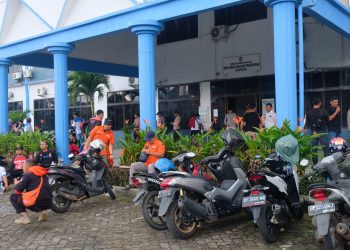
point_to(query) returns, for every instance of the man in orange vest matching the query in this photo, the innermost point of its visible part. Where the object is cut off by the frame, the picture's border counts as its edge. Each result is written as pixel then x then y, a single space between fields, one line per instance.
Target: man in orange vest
pixel 32 192
pixel 154 149
pixel 105 134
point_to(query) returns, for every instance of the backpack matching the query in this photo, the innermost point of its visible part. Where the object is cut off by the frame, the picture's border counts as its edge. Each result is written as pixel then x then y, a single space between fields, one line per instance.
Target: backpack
pixel 192 122
pixel 29 198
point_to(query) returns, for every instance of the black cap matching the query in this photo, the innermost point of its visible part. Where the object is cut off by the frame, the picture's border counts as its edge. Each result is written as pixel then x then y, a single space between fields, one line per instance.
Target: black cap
pixel 108 121
pixel 149 135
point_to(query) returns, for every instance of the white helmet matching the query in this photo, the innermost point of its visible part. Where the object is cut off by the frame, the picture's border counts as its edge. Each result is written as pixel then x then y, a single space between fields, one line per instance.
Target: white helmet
pixel 98 144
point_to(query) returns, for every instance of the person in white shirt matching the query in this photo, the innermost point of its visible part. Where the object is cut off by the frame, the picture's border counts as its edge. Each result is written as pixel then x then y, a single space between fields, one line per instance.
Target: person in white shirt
pixel 269 117
pixel 3 178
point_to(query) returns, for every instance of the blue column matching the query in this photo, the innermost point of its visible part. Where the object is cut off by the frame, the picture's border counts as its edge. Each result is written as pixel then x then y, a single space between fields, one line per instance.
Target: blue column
pixel 26 84
pixel 285 59
pixel 146 32
pixel 301 64
pixel 4 70
pixel 60 51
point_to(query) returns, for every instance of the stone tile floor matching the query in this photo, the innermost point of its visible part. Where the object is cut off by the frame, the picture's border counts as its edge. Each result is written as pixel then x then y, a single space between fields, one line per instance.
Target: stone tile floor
pixel 100 223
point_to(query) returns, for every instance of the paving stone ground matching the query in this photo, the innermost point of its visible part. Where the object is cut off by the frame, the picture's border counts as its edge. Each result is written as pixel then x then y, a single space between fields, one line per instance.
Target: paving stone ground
pixel 100 223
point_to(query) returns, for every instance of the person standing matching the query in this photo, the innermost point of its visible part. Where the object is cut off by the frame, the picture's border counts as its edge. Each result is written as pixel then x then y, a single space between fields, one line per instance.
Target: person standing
pixel 160 121
pixel 43 126
pixel 28 126
pixel 46 157
pixel 17 165
pixel 105 134
pixel 176 125
pixel 89 125
pixel 34 180
pixel 316 123
pixel 77 123
pixel 215 125
pixel 270 116
pixel 136 126
pixel 229 120
pixel 251 121
pixel 334 123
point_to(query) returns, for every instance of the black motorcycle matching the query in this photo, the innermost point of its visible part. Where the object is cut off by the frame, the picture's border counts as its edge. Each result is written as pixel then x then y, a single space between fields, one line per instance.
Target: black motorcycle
pixel 149 185
pixel 70 183
pixel 187 202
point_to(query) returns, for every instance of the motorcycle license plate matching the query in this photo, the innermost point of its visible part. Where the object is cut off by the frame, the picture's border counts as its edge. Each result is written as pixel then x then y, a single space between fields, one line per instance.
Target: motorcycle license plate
pixel 164 193
pixel 321 208
pixel 254 200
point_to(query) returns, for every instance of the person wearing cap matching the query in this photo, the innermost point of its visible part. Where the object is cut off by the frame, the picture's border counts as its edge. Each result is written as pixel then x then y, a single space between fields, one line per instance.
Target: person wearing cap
pixel 105 134
pixel 155 149
pixel 17 164
pixel 160 120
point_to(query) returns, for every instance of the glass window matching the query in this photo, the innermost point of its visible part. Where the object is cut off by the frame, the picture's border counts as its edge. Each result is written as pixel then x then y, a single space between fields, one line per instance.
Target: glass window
pixel 218 88
pixel 268 83
pixel 314 80
pixel 234 86
pixel 179 30
pixel 346 77
pixel 251 85
pixel 110 98
pixel 332 79
pixel 241 13
pixel 345 106
pixel 15 106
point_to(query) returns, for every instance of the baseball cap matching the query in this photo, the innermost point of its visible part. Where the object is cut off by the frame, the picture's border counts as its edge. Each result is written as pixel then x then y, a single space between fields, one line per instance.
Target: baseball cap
pixel 108 121
pixel 149 136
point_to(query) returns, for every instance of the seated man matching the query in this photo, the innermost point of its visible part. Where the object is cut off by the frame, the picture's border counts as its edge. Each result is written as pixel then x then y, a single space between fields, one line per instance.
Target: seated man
pixel 17 165
pixel 33 179
pixel 3 178
pixel 45 157
pixel 155 149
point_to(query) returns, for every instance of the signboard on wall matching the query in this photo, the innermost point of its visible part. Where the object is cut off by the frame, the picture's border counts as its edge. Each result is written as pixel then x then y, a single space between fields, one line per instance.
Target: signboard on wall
pixel 204 113
pixel 241 63
pixel 266 101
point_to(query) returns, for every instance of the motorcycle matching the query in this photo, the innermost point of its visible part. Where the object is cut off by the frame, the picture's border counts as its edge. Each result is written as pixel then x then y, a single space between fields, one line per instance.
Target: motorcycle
pixel 187 202
pixel 331 200
pixel 270 196
pixel 70 183
pixel 149 185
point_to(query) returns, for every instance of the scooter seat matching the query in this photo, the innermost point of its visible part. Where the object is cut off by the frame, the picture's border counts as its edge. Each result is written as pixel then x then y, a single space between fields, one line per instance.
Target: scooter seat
pixel 321 185
pixel 226 184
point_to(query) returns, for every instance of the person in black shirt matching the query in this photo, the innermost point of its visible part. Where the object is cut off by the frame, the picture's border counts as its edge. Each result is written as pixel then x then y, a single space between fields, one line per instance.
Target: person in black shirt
pixel 215 125
pixel 334 124
pixel 251 121
pixel 316 123
pixel 46 157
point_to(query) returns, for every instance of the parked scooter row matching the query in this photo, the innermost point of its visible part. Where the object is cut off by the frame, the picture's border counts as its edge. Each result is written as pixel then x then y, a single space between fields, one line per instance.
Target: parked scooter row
pixel 331 209
pixel 270 194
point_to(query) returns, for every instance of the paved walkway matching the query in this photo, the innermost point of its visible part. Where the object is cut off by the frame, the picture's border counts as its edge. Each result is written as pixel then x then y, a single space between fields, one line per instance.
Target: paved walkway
pixel 100 223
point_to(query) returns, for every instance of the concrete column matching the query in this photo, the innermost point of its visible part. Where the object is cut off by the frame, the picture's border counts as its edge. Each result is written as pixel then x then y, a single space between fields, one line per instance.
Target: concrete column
pixel 60 52
pixel 205 103
pixel 146 32
pixel 4 70
pixel 285 59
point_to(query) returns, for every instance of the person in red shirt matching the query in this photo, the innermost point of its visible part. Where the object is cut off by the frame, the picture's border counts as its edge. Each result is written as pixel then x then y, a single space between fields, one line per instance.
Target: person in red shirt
pixel 17 165
pixel 105 134
pixel 155 149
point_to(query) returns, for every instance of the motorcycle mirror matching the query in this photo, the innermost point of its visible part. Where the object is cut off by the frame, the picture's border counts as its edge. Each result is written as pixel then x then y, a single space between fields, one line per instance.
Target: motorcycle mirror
pixel 304 162
pixel 70 156
pixel 190 154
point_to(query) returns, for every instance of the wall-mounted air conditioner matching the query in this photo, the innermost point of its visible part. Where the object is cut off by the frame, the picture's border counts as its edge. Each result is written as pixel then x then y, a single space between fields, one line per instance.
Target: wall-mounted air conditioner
pixel 10 95
pixel 27 73
pixel 133 82
pixel 17 75
pixel 42 91
pixel 219 32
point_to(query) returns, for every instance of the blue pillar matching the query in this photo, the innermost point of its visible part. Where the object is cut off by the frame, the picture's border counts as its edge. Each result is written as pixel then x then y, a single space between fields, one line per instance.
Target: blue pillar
pixel 4 70
pixel 285 59
pixel 301 64
pixel 26 84
pixel 146 32
pixel 60 51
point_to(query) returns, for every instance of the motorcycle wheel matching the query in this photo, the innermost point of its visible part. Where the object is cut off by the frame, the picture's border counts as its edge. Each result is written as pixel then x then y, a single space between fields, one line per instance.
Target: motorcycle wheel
pixel 59 204
pixel 267 229
pixel 109 190
pixel 150 208
pixel 332 240
pixel 178 222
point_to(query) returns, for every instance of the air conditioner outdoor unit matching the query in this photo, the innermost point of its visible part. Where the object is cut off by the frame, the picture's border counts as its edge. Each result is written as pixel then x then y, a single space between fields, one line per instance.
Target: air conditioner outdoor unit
pixel 133 82
pixel 17 75
pixel 10 95
pixel 27 73
pixel 42 91
pixel 219 32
